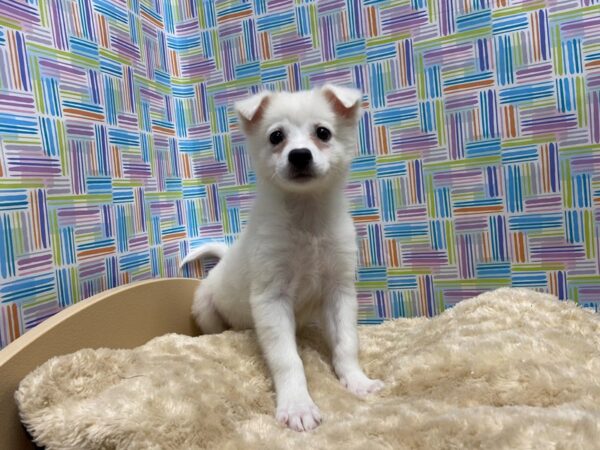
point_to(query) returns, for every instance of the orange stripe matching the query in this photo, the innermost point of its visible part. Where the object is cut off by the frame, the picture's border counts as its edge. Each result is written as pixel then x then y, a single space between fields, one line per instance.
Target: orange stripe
pixel 543 168
pixel 465 86
pixel 393 254
pixel 15 321
pixel 233 16
pixel 513 120
pixel 163 130
pixel 93 159
pixel 116 162
pixel 384 139
pixel 174 236
pixel 96 251
pixel 344 27
pixel 534 34
pixel 78 14
pixel 241 55
pixel 373 20
pixel 174 65
pixel 592 64
pixel 545 171
pixel 361 219
pixel 155 21
pixel 478 209
pixel 81 113
pixel 521 247
pixel 74 17
pixel 198 102
pixel 401 65
pixel 15 61
pixel 187 173
pixel 197 265
pixel 476 126
pixel 411 177
pixel 510 121
pixel 36 221
pixel 103 31
pixel 265 45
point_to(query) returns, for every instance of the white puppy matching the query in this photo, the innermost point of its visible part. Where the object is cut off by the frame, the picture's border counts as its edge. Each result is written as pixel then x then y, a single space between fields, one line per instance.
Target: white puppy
pixel 295 261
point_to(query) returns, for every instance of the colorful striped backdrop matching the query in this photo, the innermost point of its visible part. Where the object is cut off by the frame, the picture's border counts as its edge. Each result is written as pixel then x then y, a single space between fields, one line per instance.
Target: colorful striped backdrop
pixel 478 166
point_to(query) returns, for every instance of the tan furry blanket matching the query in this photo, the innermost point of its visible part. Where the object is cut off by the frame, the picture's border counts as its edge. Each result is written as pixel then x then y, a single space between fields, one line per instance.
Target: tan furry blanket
pixel 510 369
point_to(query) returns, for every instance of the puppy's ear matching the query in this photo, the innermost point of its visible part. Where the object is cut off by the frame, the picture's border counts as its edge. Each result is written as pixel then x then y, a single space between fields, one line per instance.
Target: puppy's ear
pixel 251 110
pixel 344 101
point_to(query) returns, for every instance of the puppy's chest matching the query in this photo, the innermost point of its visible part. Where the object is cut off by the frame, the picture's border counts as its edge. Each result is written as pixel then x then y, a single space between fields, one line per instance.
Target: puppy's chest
pixel 311 264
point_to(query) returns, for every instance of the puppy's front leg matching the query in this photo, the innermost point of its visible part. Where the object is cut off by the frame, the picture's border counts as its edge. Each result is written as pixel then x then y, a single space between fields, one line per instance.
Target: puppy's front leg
pixel 273 317
pixel 339 321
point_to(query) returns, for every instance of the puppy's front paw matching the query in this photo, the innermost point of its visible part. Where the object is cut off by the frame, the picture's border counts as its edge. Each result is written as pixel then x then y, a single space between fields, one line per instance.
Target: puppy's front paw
pixel 299 416
pixel 359 384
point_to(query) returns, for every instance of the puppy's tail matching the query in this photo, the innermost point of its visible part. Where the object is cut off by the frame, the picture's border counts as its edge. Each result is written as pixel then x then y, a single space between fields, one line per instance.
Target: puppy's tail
pixel 214 249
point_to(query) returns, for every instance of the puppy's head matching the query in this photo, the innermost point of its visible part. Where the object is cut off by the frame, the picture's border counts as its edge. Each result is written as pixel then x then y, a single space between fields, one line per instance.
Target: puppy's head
pixel 301 141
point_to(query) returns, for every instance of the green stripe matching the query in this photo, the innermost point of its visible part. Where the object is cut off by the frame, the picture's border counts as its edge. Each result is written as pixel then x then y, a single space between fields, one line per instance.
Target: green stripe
pixel 62 55
pixel 243 82
pixel 455 38
pixel 503 12
pixel 8 23
pixel 575 13
pixel 537 267
pixel 388 39
pixel 371 285
pixel 475 283
pixel 337 63
pixel 450 239
pixel 463 163
pixel 566 184
pixel 21 183
pixel 543 139
pixel 164 195
pixel 575 150
pixel 91 199
pixel 400 272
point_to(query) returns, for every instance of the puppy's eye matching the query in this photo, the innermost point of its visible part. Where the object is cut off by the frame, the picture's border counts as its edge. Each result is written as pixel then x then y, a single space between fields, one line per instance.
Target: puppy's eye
pixel 276 137
pixel 323 133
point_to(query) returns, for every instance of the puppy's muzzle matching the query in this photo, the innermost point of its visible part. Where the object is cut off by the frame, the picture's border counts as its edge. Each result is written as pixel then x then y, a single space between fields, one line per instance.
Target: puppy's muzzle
pixel 300 159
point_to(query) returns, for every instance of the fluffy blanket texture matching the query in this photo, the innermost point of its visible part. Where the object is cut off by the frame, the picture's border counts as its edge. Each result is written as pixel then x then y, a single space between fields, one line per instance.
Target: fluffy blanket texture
pixel 510 369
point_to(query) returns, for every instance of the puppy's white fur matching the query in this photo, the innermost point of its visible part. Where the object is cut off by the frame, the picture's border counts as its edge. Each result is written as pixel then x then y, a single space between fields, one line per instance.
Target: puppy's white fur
pixel 295 261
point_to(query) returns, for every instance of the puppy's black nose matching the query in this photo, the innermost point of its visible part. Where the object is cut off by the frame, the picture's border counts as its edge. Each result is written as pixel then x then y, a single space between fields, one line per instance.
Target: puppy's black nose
pixel 300 158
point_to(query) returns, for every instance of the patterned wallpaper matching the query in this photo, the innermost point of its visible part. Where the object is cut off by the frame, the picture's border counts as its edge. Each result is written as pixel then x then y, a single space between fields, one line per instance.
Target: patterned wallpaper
pixel 478 167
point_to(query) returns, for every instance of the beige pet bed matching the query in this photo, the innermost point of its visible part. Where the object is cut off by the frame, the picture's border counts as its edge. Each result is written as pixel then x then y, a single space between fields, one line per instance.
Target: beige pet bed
pixel 510 369
pixel 123 317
